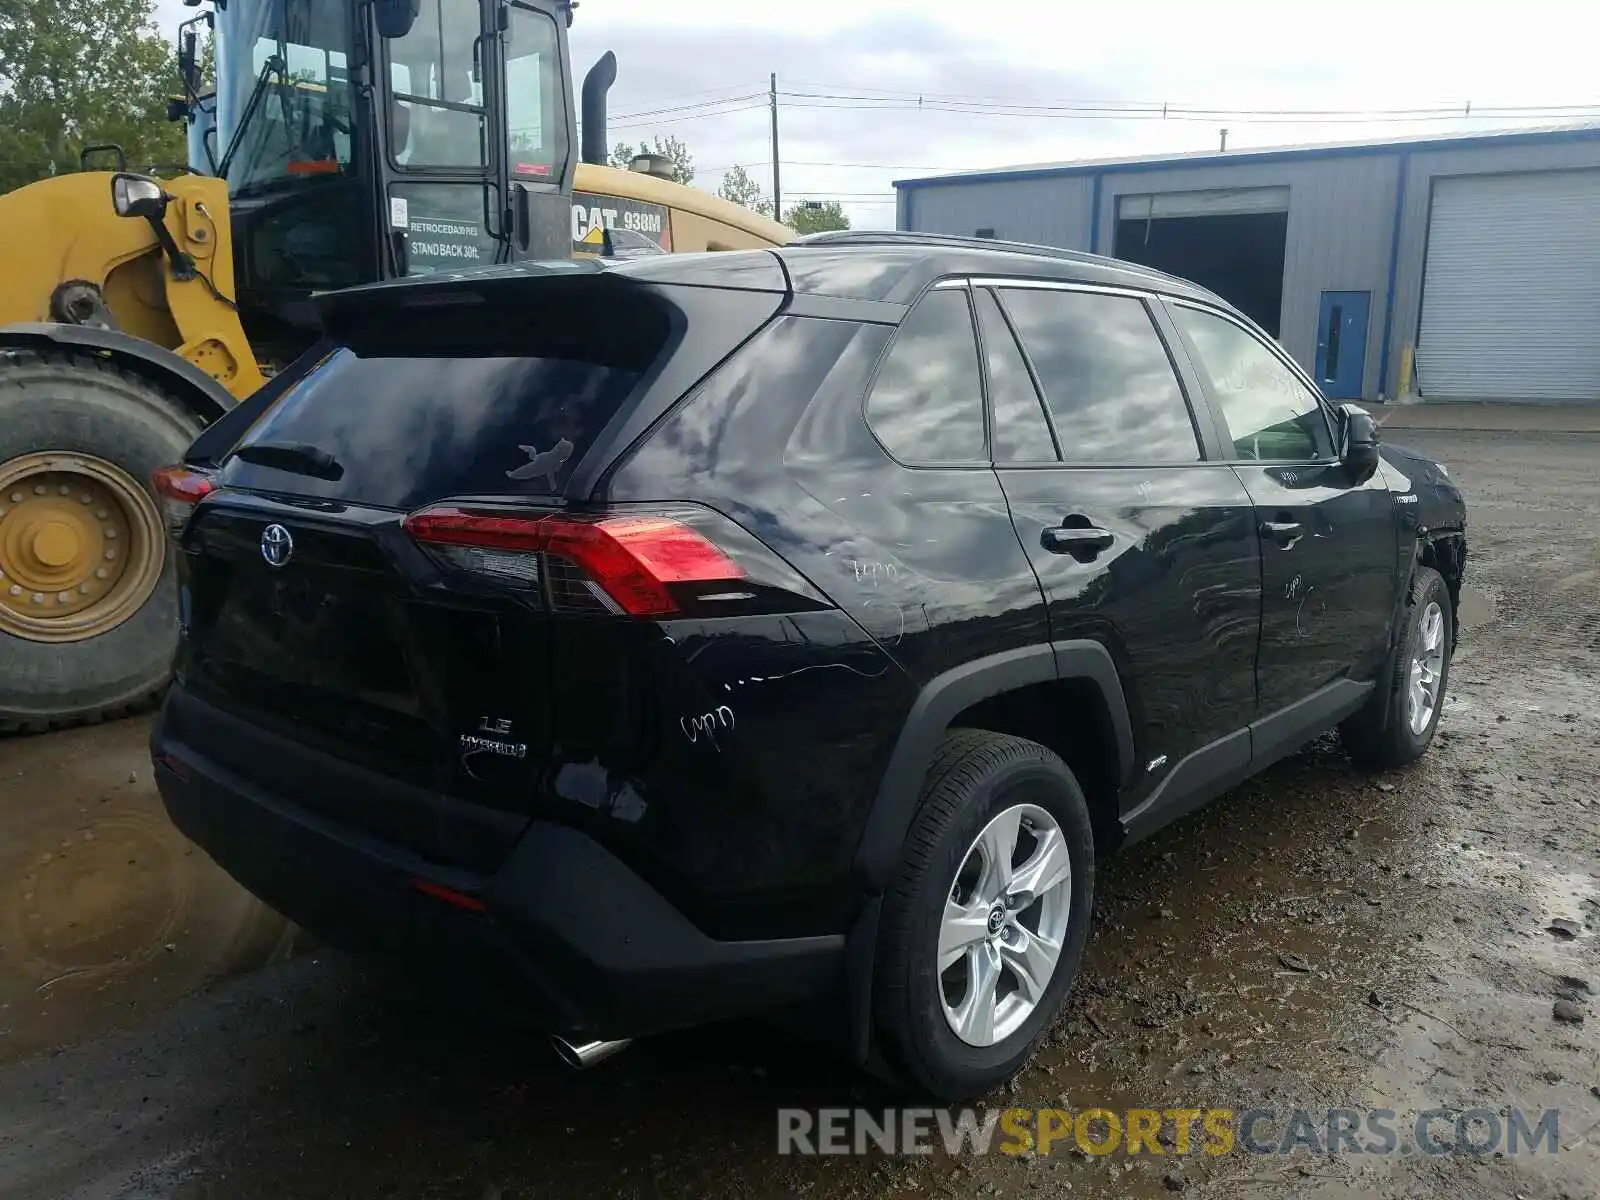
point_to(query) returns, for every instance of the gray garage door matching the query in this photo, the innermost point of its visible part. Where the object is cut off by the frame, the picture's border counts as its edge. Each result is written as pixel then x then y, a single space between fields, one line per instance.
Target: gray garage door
pixel 1511 295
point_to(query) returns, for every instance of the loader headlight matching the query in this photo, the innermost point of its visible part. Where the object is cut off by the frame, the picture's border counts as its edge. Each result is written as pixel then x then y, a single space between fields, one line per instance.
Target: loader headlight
pixel 137 196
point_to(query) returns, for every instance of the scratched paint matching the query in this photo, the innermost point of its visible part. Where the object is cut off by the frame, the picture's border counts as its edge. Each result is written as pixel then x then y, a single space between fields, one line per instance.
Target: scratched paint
pixel 872 571
pixel 881 669
pixel 706 725
pixel 1298 592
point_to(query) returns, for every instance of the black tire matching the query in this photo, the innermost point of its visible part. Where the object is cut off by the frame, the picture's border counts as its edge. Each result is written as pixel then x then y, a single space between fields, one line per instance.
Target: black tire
pixel 1371 741
pixel 77 403
pixel 975 775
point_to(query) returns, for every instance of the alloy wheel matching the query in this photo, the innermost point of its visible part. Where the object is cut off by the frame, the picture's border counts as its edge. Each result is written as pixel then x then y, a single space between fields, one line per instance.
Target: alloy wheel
pixel 1427 670
pixel 1004 924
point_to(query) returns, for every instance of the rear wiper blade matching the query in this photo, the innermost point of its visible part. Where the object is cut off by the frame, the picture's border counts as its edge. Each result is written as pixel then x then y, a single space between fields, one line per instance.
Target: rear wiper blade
pixel 298 457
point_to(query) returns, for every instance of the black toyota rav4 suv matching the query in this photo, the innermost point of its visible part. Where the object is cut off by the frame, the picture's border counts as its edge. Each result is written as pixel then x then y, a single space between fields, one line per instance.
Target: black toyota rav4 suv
pixel 779 632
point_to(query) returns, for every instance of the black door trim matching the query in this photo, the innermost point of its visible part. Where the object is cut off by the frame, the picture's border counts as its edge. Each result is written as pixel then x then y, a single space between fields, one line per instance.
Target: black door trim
pixel 1201 775
pixel 1274 736
pixel 1211 770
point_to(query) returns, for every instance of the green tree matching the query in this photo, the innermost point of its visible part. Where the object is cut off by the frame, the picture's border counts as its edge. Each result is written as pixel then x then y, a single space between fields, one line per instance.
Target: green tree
pixel 77 72
pixel 816 216
pixel 741 189
pixel 668 147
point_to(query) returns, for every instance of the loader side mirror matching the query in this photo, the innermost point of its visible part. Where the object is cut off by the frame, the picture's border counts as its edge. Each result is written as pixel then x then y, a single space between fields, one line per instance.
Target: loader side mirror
pixel 137 196
pixel 395 17
pixel 188 67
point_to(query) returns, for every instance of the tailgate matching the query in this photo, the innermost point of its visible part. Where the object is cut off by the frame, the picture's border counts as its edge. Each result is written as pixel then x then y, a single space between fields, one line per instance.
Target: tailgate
pixel 353 650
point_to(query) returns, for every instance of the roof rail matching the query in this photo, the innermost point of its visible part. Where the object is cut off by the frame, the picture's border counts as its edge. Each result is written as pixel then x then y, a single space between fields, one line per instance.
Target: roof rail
pixel 903 237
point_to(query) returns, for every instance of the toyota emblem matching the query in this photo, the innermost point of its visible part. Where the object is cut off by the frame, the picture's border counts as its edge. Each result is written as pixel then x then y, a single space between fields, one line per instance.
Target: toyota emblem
pixel 277 546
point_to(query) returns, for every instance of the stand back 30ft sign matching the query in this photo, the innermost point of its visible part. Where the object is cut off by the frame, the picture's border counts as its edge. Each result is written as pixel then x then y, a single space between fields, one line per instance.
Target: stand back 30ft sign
pixel 636 227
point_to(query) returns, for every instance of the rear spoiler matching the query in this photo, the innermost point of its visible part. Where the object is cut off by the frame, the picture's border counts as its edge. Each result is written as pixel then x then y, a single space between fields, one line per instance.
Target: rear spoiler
pixel 541 283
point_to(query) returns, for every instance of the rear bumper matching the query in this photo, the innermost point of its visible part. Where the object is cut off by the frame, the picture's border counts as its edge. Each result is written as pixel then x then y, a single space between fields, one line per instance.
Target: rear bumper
pixel 594 949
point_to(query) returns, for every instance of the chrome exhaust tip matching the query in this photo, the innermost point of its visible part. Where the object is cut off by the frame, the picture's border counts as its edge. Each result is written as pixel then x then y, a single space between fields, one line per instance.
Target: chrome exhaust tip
pixel 583 1055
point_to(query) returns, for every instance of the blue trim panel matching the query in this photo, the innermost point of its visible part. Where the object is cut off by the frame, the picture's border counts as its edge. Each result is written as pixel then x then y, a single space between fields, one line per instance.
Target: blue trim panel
pixel 1094 215
pixel 1394 273
pixel 1544 137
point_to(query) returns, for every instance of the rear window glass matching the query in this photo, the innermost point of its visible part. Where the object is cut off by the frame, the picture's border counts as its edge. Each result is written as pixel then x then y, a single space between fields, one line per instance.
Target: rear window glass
pixel 407 420
pixel 927 403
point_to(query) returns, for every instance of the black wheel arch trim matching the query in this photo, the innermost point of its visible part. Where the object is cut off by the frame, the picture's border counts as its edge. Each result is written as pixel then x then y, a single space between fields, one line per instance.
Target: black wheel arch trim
pixel 944 697
pixel 1397 624
pixel 185 382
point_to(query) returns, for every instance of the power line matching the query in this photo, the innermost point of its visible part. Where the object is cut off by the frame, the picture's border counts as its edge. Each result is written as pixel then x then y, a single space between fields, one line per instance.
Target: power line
pixel 690 108
pixel 1169 110
pixel 1259 116
pixel 799 162
pixel 657 122
pixel 673 99
pixel 884 100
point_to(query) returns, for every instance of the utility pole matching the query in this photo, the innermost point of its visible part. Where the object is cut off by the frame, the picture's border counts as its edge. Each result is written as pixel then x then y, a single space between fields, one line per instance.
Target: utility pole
pixel 777 188
pixel 1224 141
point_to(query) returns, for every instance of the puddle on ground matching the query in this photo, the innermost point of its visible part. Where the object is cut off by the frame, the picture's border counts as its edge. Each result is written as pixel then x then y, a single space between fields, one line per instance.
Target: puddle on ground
pixel 1477 608
pixel 107 912
pixel 1554 895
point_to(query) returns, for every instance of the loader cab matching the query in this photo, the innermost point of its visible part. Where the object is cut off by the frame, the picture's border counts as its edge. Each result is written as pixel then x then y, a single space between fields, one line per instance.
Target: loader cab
pixel 380 138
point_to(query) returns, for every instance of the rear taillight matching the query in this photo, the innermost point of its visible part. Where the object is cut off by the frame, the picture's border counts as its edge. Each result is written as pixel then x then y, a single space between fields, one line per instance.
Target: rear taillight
pixel 634 560
pixel 503 547
pixel 641 564
pixel 179 489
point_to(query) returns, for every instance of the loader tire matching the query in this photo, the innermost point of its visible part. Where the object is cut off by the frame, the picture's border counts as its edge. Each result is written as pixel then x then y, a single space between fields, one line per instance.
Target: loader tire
pixel 88 598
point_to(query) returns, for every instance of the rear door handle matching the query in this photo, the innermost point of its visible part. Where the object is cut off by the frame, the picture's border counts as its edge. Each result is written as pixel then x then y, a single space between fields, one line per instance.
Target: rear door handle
pixel 1285 533
pixel 1079 542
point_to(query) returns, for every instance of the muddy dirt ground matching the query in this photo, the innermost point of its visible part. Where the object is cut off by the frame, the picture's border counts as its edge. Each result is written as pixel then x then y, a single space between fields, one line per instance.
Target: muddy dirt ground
pixel 1316 938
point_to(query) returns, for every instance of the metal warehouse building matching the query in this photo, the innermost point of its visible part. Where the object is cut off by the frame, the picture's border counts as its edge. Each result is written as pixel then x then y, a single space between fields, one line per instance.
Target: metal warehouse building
pixel 1462 267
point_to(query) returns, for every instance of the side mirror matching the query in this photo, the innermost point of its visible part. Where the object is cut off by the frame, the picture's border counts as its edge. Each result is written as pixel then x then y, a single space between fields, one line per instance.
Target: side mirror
pixel 88 154
pixel 188 64
pixel 1360 451
pixel 137 196
pixel 395 17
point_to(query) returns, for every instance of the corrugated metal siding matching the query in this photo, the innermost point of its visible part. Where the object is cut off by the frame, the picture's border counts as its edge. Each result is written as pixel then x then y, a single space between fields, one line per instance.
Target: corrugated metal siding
pixel 1050 212
pixel 1422 171
pixel 1512 289
pixel 1341 222
pixel 1341 215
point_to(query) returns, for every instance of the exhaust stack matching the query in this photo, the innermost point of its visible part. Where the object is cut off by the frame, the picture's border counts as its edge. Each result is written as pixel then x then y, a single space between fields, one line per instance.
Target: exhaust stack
pixel 595 86
pixel 582 1056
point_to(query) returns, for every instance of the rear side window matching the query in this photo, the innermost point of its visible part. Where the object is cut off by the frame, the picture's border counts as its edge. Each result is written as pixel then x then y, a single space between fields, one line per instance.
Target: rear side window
pixel 927 403
pixel 437 406
pixel 1021 433
pixel 1106 377
pixel 1270 414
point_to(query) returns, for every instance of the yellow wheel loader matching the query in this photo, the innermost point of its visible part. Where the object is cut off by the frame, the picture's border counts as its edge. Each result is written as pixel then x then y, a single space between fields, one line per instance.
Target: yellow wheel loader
pixel 346 141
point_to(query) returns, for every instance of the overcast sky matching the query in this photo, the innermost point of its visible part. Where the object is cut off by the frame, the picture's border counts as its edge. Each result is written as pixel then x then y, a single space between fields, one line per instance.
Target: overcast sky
pixel 1217 54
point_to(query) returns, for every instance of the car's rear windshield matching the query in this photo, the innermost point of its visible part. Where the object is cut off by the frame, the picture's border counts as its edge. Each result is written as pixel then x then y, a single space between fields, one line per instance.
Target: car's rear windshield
pixel 415 407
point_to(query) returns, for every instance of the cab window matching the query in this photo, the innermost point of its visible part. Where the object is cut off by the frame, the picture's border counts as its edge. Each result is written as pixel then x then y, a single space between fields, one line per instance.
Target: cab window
pixel 437 118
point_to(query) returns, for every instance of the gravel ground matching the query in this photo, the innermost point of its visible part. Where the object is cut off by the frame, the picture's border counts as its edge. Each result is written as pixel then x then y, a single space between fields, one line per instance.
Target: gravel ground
pixel 1317 938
